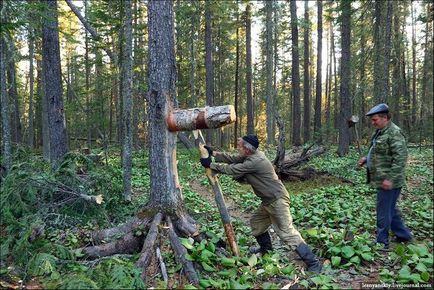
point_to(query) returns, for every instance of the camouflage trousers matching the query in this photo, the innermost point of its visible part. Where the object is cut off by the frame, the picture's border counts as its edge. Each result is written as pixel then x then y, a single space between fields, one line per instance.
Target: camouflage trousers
pixel 276 214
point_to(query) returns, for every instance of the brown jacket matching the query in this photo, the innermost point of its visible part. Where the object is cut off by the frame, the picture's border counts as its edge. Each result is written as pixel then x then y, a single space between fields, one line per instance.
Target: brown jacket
pixel 258 172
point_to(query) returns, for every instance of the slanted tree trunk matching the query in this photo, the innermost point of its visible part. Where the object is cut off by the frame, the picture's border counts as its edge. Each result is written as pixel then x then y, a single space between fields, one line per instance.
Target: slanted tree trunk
pixel 345 108
pixel 53 85
pixel 91 30
pixel 296 123
pixel 249 102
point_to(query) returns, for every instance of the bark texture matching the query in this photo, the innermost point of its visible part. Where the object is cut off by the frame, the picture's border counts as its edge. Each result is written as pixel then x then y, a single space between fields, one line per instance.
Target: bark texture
pixel 53 85
pixel 200 118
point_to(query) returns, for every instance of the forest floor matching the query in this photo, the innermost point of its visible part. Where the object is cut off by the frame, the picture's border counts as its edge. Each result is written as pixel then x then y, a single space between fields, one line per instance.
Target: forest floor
pixel 43 229
pixel 348 278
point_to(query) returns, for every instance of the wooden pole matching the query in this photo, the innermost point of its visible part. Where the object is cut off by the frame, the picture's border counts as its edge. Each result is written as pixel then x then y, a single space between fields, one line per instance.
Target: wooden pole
pixel 218 196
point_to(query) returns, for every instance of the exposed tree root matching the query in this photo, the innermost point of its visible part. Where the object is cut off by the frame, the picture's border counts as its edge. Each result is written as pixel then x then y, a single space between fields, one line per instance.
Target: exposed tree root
pixel 180 252
pixel 148 245
pixel 131 241
pixel 126 245
pixel 107 234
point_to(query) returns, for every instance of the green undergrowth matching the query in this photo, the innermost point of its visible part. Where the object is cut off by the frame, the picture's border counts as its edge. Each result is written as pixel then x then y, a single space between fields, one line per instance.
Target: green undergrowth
pixel 41 225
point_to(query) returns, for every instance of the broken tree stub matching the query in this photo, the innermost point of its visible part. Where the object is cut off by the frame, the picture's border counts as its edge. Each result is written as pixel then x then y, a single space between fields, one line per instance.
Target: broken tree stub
pixel 200 118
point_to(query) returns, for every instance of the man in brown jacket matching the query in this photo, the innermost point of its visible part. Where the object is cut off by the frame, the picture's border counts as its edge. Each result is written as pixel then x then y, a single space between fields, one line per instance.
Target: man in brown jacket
pixel 258 171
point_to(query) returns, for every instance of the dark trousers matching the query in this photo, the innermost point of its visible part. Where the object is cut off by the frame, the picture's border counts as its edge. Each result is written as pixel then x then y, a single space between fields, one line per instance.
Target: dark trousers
pixel 389 218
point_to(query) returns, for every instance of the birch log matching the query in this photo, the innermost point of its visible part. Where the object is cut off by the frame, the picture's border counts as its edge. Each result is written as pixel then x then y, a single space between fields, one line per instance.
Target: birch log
pixel 200 118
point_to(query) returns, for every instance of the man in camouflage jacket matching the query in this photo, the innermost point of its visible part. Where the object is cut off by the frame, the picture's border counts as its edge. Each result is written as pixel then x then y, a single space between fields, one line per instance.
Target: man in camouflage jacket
pixel 258 171
pixel 385 162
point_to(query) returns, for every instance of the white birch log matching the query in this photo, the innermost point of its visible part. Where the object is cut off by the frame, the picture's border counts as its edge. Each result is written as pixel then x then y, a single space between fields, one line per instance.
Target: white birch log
pixel 200 118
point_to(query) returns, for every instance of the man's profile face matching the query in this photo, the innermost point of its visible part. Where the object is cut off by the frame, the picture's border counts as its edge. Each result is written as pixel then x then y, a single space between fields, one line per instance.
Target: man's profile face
pixel 240 147
pixel 379 122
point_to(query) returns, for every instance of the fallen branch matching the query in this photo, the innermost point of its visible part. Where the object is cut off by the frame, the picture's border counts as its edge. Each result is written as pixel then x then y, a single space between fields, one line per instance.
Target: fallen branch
pixel 162 267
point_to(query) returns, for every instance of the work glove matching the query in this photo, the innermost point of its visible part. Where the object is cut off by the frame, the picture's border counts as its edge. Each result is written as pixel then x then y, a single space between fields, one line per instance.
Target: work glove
pixel 209 149
pixel 206 162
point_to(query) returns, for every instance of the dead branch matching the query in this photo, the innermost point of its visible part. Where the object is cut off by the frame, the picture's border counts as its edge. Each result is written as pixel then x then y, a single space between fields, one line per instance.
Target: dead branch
pixel 297 161
pixel 162 267
pixel 91 30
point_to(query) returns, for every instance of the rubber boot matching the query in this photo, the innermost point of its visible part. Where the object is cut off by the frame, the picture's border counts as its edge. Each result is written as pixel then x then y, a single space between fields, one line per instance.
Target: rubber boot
pixel 265 245
pixel 312 261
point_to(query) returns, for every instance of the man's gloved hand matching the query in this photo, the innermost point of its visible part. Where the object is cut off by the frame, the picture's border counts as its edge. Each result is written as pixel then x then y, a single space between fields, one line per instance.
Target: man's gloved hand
pixel 206 162
pixel 209 149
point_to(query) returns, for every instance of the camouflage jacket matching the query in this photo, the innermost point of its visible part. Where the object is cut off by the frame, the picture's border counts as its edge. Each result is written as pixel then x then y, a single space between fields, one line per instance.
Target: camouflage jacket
pixel 388 156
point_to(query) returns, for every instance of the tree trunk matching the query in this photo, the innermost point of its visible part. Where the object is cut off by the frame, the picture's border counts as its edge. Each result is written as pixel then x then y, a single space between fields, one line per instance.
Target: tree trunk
pixel 387 50
pixel 335 81
pixel 362 79
pixel 31 130
pixel 6 129
pixel 269 71
pixel 275 66
pixel 296 123
pixel 87 77
pixel 193 69
pixel 344 133
pixel 53 85
pixel 414 73
pixel 13 94
pixel 378 52
pixel 250 110
pixel 318 90
pixel 127 100
pixel 328 88
pixel 306 78
pixel 43 113
pixel 209 67
pixel 397 80
pixel 165 192
pixel 237 75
